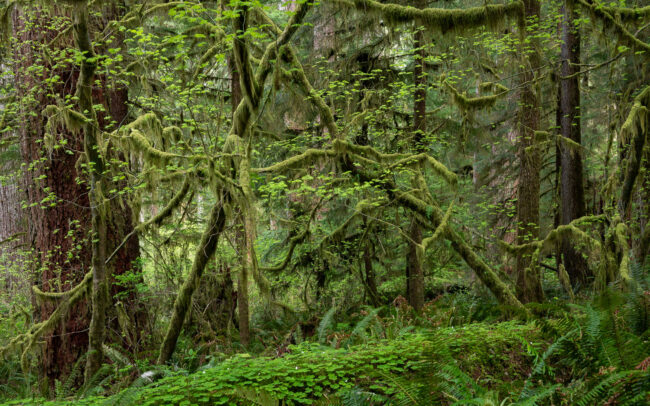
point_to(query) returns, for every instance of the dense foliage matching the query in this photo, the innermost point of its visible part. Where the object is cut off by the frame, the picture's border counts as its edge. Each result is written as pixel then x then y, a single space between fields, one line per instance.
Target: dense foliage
pixel 331 202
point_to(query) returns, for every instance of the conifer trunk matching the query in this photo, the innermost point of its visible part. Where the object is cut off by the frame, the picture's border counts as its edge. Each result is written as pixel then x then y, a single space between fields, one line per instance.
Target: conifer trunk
pixel 99 299
pixel 243 308
pixel 55 231
pixel 414 273
pixel 571 185
pixel 370 281
pixel 529 288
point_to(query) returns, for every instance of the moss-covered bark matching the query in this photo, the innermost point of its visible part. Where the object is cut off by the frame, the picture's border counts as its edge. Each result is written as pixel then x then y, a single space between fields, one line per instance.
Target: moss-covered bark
pixel 92 150
pixel 529 285
pixel 204 254
pixel 572 196
pixel 442 19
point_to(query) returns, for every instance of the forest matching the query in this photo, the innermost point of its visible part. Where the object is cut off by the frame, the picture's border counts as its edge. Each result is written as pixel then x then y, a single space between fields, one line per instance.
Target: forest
pixel 325 202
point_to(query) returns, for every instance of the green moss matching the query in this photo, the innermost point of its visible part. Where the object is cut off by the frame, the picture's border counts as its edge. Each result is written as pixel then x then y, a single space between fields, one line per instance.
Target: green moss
pixel 25 342
pixel 493 87
pixel 610 22
pixel 443 20
pixel 627 14
pixel 470 104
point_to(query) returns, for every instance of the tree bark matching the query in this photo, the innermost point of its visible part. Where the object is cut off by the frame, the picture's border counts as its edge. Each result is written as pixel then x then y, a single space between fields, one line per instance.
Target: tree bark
pixel 240 237
pixel 572 196
pixel 529 288
pixel 414 273
pixel 96 168
pixel 55 230
pixel 369 280
pixel 204 254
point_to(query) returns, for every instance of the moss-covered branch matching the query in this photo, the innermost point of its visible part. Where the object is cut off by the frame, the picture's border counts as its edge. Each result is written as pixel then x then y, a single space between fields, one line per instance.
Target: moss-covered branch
pixel 441 19
pixel 28 340
pixel 624 35
pixel 434 218
pixel 626 14
pixel 158 218
pixel 634 131
pixel 470 104
pixel 204 253
pixel 297 161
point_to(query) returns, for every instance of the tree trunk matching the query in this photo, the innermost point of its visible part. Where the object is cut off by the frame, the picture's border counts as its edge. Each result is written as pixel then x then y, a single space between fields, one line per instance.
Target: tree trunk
pixel 204 253
pixel 55 230
pixel 242 279
pixel 12 236
pixel 571 185
pixel 529 288
pixel 414 273
pixel 370 282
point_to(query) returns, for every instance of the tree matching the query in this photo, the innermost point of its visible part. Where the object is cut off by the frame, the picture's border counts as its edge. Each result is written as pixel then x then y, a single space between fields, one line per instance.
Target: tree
pixel 414 272
pixel 529 287
pixel 57 189
pixel 571 181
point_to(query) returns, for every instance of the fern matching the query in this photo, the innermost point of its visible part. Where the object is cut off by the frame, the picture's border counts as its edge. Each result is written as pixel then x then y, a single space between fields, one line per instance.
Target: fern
pixel 255 397
pixel 325 324
pixel 533 398
pixel 360 329
pixel 96 383
pixel 600 391
pixel 360 397
pixel 64 390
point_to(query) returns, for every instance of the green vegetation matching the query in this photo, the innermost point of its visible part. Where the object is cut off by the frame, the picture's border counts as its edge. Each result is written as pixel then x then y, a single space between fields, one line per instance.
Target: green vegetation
pixel 335 202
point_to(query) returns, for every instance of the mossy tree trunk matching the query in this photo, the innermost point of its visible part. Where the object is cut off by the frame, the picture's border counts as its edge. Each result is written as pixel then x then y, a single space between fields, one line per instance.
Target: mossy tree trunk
pixel 572 195
pixel 204 254
pixel 56 232
pixel 240 235
pixel 96 167
pixel 529 288
pixel 414 272
pixel 369 279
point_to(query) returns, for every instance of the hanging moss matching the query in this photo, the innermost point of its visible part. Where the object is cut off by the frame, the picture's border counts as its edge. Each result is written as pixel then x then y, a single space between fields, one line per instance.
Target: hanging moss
pixel 172 133
pixel 439 231
pixel 624 35
pixel 621 240
pixel 140 143
pixel 569 144
pixel 26 341
pixel 627 14
pixel 57 117
pixel 565 281
pixel 204 254
pixel 440 19
pixel 634 132
pixel 493 87
pixel 470 104
pixel 148 124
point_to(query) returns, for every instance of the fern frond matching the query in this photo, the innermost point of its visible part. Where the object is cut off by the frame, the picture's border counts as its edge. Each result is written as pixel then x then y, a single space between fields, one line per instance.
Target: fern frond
pixel 325 324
